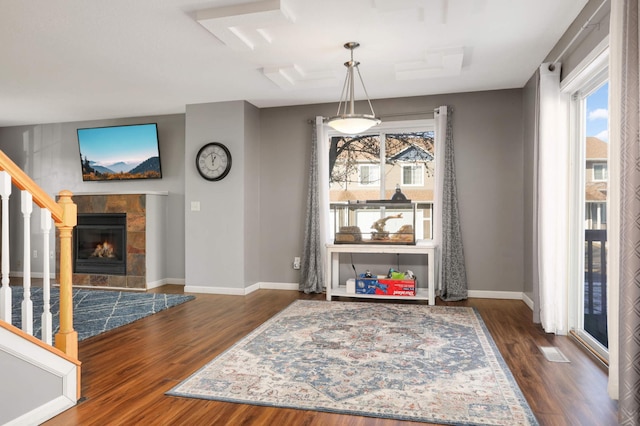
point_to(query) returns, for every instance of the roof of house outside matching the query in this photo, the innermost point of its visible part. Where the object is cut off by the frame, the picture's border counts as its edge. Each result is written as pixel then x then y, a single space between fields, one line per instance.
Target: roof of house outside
pixel 597 149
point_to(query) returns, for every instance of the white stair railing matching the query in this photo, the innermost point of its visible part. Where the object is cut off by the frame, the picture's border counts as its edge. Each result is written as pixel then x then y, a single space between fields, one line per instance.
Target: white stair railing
pixel 47 321
pixel 64 214
pixel 5 290
pixel 27 303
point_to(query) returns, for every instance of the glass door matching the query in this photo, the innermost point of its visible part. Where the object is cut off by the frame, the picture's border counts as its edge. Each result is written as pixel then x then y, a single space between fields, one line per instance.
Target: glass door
pixel 592 106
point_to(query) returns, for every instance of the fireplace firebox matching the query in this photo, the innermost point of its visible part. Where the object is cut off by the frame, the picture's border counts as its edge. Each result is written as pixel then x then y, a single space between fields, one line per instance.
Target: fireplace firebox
pixel 100 242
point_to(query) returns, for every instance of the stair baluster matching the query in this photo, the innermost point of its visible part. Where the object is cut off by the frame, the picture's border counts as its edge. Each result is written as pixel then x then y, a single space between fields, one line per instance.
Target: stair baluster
pixel 47 321
pixel 27 303
pixel 5 290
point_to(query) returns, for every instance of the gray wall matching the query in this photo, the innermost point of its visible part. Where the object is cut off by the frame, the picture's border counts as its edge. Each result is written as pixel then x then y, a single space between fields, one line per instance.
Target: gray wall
pixel 49 154
pixel 19 379
pixel 218 238
pixel 250 225
pixel 488 136
pixel 574 55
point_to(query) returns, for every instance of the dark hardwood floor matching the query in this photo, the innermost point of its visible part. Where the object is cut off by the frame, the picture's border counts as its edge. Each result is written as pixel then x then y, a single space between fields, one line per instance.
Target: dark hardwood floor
pixel 126 371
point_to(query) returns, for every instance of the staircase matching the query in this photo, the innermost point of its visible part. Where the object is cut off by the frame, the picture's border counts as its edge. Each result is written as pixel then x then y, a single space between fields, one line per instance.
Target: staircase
pixel 38 380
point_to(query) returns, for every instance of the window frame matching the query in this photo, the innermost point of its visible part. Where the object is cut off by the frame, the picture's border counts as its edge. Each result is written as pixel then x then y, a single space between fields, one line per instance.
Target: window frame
pixel 402 126
pixel 419 173
pixel 369 166
pixel 605 170
pixel 589 75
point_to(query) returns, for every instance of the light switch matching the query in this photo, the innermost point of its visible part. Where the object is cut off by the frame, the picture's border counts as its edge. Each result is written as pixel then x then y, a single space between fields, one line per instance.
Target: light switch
pixel 195 206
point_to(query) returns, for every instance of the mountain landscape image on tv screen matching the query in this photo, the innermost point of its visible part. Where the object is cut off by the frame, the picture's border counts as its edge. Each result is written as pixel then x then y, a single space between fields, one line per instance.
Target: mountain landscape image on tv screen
pixel 120 152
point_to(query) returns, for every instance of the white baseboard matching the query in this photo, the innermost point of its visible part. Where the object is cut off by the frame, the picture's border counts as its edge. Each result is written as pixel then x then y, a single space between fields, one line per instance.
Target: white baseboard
pixel 33 274
pixel 280 286
pixel 214 290
pixel 102 287
pixel 165 281
pixel 528 301
pixel 44 412
pixel 241 291
pixel 490 294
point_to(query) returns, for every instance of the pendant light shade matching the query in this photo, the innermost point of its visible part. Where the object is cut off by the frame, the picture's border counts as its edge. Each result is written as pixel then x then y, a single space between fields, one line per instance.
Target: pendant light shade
pixel 346 120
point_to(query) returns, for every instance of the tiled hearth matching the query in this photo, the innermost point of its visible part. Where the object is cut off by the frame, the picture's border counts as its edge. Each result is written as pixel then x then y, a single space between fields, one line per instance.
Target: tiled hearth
pixel 134 205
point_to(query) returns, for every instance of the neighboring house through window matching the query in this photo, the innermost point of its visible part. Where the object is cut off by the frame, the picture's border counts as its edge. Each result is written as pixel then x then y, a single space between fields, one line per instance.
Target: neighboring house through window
pixel 372 165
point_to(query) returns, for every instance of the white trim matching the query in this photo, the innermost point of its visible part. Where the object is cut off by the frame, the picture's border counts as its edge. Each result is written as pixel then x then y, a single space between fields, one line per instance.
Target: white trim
pixel 214 290
pixel 33 274
pixel 529 302
pixel 593 63
pixel 387 126
pixel 123 193
pixel 491 294
pixel 164 281
pixel 45 360
pixel 241 291
pixel 280 286
pixel 583 81
pixel 43 413
pixel 98 287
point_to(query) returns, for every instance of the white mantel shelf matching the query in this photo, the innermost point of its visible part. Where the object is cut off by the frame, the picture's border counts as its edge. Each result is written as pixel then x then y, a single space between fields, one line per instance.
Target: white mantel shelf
pixel 124 193
pixel 333 264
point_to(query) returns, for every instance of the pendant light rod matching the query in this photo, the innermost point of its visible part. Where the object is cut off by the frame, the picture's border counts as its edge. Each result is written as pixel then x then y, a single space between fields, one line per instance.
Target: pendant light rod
pixel 346 120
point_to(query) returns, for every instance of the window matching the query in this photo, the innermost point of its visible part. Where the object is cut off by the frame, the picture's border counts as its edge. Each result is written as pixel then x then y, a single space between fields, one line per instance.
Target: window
pixel 372 166
pixel 600 172
pixel 369 174
pixel 412 175
pixel 588 87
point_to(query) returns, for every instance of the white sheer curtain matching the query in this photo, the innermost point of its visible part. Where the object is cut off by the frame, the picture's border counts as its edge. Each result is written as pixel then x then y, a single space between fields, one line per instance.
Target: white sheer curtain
pixel 552 202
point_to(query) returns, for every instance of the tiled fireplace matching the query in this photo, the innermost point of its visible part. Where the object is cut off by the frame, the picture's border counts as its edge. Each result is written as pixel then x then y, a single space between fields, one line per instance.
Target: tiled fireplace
pixel 100 244
pixel 110 241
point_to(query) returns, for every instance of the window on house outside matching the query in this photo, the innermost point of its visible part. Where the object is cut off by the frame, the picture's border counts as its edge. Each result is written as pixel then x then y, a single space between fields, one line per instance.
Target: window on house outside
pixel 371 166
pixel 412 175
pixel 600 172
pixel 369 174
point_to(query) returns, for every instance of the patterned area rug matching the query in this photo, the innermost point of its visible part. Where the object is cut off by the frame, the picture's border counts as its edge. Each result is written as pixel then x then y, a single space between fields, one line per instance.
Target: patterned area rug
pixel 95 311
pixel 401 361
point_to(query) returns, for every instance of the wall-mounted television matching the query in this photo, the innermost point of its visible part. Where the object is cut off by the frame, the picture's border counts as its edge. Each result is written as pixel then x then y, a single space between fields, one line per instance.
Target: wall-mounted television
pixel 120 152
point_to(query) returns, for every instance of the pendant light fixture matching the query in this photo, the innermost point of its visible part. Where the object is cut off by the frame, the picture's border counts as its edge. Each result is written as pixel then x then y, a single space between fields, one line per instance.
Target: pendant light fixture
pixel 350 122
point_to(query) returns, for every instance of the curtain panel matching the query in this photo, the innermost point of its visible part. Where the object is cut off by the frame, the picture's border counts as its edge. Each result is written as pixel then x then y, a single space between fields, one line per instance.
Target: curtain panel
pixel 448 236
pixel 624 331
pixel 552 210
pixel 316 228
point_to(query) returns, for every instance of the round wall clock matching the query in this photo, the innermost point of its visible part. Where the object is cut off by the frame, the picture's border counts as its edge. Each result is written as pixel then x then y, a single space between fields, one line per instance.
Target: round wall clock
pixel 213 161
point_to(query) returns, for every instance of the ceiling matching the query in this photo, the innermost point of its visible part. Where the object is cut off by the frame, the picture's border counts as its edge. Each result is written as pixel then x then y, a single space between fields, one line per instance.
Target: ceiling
pixel 75 60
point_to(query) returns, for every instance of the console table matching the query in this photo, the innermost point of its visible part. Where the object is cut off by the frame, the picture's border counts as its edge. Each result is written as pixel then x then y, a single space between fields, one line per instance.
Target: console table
pixel 333 264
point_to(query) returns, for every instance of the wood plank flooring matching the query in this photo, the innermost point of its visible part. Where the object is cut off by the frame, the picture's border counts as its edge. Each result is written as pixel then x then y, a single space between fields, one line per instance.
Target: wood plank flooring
pixel 126 371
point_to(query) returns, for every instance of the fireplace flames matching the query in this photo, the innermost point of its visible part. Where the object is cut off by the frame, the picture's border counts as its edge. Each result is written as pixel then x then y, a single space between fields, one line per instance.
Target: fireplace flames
pixel 104 249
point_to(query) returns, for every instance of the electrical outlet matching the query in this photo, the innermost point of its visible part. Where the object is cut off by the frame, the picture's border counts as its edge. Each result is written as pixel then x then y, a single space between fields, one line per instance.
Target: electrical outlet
pixel 296 263
pixel 35 254
pixel 51 255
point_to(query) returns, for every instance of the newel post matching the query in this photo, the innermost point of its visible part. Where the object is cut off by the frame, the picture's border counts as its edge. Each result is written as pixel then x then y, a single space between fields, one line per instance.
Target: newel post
pixel 67 337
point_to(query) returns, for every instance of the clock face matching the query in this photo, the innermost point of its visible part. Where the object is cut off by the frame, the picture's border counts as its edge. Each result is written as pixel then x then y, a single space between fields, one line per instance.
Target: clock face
pixel 213 161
